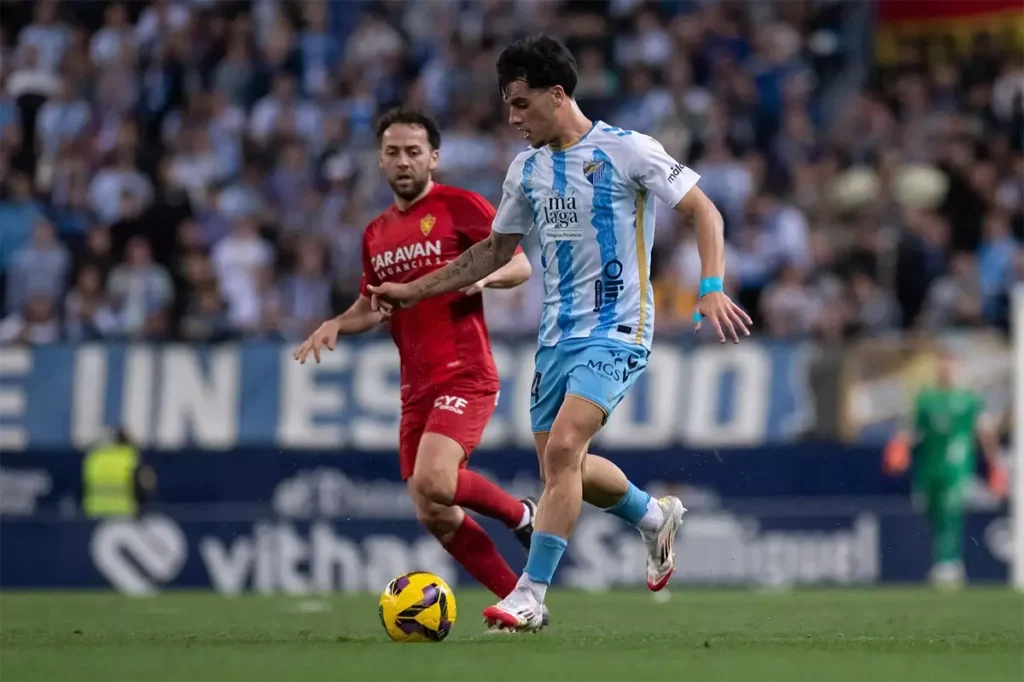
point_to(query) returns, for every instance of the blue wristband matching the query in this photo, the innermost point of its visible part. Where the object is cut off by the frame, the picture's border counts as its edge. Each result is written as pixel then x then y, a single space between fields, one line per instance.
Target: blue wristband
pixel 708 285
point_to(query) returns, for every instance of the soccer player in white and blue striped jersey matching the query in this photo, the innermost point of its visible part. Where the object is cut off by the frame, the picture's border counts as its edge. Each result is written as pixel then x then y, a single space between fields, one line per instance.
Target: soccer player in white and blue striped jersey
pixel 588 188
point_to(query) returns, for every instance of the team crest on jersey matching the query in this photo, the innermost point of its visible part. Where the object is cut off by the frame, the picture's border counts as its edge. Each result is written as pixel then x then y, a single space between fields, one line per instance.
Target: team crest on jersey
pixel 427 224
pixel 594 171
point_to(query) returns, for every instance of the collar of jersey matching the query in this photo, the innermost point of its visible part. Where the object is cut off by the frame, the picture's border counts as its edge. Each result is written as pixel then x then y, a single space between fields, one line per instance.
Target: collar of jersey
pixel 574 143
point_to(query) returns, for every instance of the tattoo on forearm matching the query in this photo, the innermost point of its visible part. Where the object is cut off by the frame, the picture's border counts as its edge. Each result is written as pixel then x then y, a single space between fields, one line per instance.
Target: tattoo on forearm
pixel 474 264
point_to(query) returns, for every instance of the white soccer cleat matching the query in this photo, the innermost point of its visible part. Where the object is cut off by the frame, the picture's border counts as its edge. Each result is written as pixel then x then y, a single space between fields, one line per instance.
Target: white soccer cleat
pixel 661 555
pixel 520 611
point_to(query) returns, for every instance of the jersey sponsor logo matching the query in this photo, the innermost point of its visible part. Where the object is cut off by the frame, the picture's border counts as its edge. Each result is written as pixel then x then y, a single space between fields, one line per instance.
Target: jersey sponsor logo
pixel 676 171
pixel 408 257
pixel 451 403
pixel 609 286
pixel 609 369
pixel 136 557
pixel 561 215
pixel 427 224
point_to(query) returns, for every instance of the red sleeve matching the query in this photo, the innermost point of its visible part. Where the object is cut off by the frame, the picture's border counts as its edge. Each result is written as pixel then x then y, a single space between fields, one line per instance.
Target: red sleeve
pixel 473 218
pixel 369 276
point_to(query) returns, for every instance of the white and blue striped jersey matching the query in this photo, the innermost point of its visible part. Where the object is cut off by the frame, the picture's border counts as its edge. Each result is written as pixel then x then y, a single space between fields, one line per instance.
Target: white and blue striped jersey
pixel 592 204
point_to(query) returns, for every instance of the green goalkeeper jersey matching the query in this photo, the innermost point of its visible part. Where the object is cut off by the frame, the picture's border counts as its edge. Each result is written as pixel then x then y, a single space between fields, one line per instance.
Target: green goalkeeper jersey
pixel 945 421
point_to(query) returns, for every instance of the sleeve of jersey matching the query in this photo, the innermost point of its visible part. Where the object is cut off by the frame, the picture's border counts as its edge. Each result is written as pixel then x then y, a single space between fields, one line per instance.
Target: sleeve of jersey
pixel 651 167
pixel 515 215
pixel 369 276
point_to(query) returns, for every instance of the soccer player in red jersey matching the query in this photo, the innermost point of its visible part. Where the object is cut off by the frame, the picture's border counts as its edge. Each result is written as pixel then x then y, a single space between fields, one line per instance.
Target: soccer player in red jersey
pixel 449 380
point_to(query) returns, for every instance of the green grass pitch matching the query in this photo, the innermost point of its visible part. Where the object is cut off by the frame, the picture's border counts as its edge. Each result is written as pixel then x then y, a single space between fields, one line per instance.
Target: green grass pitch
pixel 884 634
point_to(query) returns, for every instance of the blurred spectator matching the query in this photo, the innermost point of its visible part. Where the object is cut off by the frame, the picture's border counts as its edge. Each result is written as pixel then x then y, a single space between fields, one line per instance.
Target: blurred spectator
pixel 110 44
pixel 875 311
pixel 205 319
pixel 141 292
pixel 39 269
pixel 281 109
pixel 88 315
pixel 34 324
pixel 789 307
pixel 98 252
pixel 237 260
pixel 306 295
pixel 119 180
pixel 61 120
pixel 46 34
pixel 955 298
pixel 18 213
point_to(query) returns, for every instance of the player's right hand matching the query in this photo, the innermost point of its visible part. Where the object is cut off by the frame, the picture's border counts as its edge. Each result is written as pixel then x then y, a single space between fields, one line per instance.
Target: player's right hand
pixel 391 295
pixel 325 336
pixel 726 317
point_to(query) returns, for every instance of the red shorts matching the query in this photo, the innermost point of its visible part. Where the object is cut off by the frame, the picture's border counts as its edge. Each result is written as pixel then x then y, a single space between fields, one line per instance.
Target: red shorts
pixel 459 410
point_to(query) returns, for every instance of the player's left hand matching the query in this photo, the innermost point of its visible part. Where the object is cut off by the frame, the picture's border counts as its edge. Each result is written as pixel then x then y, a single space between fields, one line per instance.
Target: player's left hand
pixel 725 316
pixel 474 289
pixel 391 295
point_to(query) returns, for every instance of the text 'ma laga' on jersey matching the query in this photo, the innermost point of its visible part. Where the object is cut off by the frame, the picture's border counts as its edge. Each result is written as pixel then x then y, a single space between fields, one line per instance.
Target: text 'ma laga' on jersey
pixel 592 205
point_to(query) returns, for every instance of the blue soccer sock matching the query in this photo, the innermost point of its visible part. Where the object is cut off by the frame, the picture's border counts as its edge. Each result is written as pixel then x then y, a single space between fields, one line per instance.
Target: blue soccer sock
pixel 633 506
pixel 546 551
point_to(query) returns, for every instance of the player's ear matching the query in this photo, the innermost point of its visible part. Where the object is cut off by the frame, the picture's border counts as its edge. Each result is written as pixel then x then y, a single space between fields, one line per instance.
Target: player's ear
pixel 557 95
pixel 434 158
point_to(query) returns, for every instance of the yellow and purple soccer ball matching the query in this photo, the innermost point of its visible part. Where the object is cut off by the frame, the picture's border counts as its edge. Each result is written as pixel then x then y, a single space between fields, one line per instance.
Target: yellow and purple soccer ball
pixel 417 607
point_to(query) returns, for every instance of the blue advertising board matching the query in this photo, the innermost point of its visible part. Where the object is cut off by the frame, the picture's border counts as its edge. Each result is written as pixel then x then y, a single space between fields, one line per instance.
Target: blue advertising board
pixel 255 395
pixel 47 482
pixel 297 522
pixel 718 547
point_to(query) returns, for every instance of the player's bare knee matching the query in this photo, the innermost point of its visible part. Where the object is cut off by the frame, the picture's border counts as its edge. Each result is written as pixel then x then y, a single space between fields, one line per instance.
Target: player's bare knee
pixel 562 457
pixel 436 473
pixel 434 484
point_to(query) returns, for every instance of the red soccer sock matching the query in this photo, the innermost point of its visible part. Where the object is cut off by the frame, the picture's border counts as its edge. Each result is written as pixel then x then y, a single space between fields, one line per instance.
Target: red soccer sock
pixel 473 548
pixel 475 492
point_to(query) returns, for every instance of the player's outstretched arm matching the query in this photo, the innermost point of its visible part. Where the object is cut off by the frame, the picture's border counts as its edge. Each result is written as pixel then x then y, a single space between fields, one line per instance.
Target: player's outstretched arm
pixel 508 276
pixel 475 263
pixel 725 316
pixel 360 317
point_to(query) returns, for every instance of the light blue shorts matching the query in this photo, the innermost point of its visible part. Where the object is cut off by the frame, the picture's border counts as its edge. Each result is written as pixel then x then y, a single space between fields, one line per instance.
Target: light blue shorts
pixel 597 370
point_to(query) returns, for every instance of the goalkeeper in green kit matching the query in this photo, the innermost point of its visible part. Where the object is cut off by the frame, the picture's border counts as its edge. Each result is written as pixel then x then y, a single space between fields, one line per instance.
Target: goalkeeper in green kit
pixel 947 422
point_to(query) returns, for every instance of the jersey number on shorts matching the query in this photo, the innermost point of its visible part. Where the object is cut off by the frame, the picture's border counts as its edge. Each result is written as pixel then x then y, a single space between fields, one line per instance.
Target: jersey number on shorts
pixel 535 388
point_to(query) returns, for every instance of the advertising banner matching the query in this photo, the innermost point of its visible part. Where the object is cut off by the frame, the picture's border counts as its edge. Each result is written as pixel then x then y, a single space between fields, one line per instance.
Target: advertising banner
pixel 255 395
pixel 717 547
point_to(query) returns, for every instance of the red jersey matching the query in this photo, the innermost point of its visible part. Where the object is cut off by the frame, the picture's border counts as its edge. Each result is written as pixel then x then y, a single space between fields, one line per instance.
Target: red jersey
pixel 445 336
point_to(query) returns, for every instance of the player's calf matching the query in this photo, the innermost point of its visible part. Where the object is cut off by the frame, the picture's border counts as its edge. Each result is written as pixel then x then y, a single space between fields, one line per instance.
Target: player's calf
pixel 468 543
pixel 562 465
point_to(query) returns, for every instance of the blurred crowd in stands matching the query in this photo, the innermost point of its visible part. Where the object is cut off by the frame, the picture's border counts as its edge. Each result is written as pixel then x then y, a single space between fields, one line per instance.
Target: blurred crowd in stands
pixel 204 170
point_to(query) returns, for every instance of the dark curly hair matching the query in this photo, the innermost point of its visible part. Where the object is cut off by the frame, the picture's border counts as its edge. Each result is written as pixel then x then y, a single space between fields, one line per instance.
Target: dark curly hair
pixel 540 61
pixel 413 117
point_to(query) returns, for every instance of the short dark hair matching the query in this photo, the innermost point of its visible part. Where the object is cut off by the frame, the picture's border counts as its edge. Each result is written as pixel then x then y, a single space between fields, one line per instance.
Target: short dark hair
pixel 412 117
pixel 540 61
